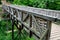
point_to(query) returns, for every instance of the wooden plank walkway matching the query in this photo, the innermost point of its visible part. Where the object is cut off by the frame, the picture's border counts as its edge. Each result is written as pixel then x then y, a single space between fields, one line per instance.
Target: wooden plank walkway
pixel 55 32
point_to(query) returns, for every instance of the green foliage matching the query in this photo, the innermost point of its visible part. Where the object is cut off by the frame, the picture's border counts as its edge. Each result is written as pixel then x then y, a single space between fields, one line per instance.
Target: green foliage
pixel 33 3
pixel 4 15
pixel 4 35
pixel 23 36
pixel 3 28
pixel 49 4
pixel 4 24
pixel 55 5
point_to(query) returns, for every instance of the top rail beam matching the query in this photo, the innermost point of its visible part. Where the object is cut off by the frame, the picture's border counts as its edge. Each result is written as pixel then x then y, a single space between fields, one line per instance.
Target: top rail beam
pixel 43 13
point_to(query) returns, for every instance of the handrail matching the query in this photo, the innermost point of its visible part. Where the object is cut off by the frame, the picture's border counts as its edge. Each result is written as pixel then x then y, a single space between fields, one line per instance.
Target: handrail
pixel 38 11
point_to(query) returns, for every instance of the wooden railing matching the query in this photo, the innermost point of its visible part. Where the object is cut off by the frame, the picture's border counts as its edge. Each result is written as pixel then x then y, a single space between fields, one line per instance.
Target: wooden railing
pixel 37 21
pixel 37 11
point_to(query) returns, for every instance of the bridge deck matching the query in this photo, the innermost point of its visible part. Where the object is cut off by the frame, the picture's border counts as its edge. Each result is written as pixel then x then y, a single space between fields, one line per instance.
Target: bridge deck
pixel 55 32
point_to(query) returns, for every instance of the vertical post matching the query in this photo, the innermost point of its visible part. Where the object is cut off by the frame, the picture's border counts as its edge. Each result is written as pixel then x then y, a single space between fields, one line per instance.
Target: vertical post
pixel 30 25
pixel 49 30
pixel 13 29
pixel 21 27
pixel 22 20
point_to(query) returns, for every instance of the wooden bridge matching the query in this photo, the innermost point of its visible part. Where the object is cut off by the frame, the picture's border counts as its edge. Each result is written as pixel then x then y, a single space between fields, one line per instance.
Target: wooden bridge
pixel 35 21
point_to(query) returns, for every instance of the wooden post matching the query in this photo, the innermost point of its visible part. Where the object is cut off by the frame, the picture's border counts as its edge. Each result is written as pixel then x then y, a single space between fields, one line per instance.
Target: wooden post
pixel 13 29
pixel 30 25
pixel 49 30
pixel 22 20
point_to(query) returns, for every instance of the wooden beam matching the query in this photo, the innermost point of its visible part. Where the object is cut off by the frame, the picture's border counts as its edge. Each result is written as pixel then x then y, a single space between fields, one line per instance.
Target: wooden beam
pixel 13 29
pixel 26 17
pixel 30 25
pixel 49 30
pixel 38 11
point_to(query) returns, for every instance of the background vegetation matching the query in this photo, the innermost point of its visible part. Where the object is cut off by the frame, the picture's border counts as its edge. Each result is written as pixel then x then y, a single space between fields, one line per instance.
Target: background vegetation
pixel 48 4
pixel 5 27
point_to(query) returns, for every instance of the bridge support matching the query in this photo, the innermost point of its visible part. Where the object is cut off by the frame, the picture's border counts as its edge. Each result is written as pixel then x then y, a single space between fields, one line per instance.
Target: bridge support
pixel 30 25
pixel 13 29
pixel 49 30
